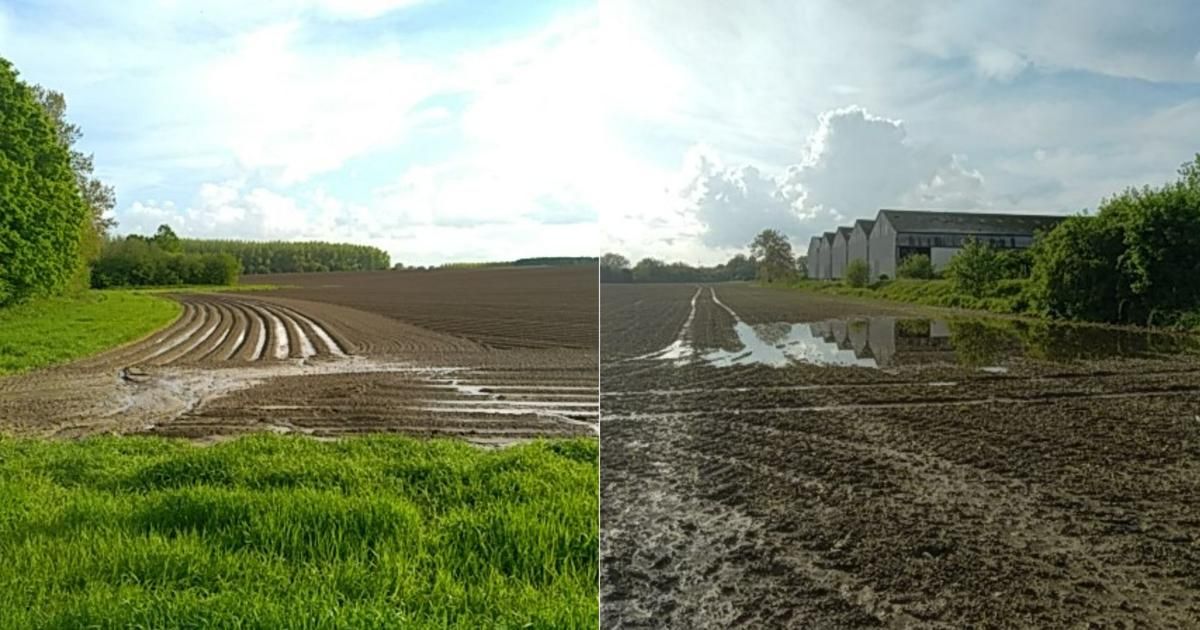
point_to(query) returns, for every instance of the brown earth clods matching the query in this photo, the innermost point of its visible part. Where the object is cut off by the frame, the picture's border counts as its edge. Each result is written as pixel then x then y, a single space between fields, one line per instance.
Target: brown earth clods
pixel 239 362
pixel 924 495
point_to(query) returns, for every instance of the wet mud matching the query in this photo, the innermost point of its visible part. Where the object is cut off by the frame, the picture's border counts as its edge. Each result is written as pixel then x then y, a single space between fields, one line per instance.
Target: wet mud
pixel 244 362
pixel 925 492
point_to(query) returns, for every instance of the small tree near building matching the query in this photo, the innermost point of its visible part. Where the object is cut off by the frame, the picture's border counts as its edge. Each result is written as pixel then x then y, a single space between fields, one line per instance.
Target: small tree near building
pixel 802 266
pixel 774 254
pixel 976 270
pixel 858 274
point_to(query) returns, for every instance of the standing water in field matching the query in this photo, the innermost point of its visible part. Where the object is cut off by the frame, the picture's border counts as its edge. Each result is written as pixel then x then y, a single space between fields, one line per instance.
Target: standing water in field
pixel 780 344
pixel 878 342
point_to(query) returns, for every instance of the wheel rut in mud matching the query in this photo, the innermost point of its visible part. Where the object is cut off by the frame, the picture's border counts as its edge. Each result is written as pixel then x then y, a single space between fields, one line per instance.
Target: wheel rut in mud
pixel 917 489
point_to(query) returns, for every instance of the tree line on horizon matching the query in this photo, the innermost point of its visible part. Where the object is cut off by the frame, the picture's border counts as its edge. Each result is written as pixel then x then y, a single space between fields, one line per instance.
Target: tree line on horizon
pixel 615 268
pixel 260 257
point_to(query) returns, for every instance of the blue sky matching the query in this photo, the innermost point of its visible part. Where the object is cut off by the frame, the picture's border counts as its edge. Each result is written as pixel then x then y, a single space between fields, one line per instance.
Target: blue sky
pixel 460 130
pixel 408 124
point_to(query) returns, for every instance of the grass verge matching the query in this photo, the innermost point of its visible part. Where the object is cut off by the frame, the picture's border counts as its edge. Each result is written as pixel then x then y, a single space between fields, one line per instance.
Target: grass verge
pixel 1009 298
pixel 54 330
pixel 287 532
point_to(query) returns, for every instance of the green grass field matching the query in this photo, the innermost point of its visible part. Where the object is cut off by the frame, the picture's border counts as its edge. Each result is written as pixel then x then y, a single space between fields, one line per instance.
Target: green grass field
pixel 54 330
pixel 287 532
pixel 1009 298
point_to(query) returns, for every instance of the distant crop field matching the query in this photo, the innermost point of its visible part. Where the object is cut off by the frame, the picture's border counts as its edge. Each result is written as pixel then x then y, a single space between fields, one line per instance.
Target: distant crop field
pixel 513 307
pixel 273 532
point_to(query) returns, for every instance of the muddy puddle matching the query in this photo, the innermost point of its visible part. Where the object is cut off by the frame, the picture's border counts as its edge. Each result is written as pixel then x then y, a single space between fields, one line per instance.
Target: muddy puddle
pixel 987 344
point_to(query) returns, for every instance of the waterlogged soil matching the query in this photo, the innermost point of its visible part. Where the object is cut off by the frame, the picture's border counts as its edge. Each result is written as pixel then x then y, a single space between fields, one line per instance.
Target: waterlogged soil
pixel 929 492
pixel 242 362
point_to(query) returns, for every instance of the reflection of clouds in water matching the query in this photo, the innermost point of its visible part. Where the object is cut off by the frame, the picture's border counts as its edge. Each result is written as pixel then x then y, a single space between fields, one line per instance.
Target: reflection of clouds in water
pixel 779 344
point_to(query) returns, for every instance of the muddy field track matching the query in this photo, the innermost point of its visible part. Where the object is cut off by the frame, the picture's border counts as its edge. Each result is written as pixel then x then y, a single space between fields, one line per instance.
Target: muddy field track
pixel 927 494
pixel 480 405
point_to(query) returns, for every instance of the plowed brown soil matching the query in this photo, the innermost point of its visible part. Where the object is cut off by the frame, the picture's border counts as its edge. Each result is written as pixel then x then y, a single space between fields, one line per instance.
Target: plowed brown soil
pixel 242 362
pixel 537 307
pixel 927 495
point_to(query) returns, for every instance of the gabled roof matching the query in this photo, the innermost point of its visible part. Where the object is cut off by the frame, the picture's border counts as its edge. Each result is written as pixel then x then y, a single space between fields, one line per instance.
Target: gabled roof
pixel 828 236
pixel 844 231
pixel 866 225
pixel 968 222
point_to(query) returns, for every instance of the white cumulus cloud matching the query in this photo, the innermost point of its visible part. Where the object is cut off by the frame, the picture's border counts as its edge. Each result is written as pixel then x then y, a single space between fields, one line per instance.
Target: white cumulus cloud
pixel 854 164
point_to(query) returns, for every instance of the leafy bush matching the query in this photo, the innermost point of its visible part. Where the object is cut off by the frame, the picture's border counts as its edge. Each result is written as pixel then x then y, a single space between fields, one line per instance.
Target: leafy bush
pixel 1135 261
pixel 1015 263
pixel 916 266
pixel 975 269
pixel 1075 270
pixel 858 274
pixel 43 218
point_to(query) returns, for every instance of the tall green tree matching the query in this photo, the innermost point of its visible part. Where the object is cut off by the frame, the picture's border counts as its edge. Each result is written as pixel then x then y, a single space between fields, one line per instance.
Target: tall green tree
pixel 615 268
pixel 43 218
pixel 100 197
pixel 774 254
pixel 166 239
pixel 614 261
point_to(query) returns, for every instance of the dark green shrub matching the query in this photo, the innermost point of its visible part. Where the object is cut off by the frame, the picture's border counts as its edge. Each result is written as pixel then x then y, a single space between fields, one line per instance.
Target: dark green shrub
pixel 136 261
pixel 858 274
pixel 975 269
pixel 917 266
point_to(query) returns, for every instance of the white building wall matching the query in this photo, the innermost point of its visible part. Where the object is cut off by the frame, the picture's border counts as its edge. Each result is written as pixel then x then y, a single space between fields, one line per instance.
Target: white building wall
pixel 838 266
pixel 883 249
pixel 826 260
pixel 814 258
pixel 858 246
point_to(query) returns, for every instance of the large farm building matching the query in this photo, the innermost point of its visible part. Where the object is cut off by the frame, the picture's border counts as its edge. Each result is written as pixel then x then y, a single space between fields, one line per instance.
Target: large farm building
pixel 897 234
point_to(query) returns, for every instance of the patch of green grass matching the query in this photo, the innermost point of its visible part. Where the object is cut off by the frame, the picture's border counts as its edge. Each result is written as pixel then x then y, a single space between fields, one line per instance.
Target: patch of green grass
pixel 286 532
pixel 1010 296
pixel 54 330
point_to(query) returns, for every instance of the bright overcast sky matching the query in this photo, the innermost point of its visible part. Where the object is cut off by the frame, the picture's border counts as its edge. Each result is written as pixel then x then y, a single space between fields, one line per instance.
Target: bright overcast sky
pixel 463 130
pixel 439 130
pixel 806 115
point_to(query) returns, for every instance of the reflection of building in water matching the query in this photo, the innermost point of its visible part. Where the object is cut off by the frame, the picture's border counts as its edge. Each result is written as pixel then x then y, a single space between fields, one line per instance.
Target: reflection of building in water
pixel 889 340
